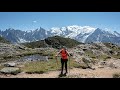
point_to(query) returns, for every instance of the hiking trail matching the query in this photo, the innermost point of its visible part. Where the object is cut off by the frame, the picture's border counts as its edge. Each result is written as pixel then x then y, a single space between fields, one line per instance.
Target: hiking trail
pixel 74 73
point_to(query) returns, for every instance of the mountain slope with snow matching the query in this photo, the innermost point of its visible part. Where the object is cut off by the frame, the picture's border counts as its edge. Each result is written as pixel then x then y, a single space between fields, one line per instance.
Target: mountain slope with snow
pixel 72 31
pixel 103 36
pixel 85 34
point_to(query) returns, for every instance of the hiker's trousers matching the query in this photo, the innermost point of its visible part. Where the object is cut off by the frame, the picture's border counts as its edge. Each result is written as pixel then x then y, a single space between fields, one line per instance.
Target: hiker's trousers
pixel 63 62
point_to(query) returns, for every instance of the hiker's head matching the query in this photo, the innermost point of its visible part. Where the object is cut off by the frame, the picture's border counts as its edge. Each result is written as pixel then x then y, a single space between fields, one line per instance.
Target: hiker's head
pixel 64 47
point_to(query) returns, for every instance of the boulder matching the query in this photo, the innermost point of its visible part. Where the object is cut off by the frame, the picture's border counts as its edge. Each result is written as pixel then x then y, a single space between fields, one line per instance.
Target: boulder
pixel 86 60
pixel 112 65
pixel 11 64
pixel 10 70
pixel 103 63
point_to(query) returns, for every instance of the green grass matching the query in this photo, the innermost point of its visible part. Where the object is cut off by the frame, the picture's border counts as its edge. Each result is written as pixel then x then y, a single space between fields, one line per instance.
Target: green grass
pixel 90 54
pixel 112 46
pixel 7 57
pixel 31 52
pixel 40 66
pixel 45 66
pixel 50 54
pixel 16 72
pixel 103 57
pixel 116 56
pixel 116 75
pixel 1 66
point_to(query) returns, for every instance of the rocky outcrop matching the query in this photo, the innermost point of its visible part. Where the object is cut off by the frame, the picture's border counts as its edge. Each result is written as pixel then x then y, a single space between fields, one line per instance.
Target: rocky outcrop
pixel 10 70
pixel 10 50
pixel 11 64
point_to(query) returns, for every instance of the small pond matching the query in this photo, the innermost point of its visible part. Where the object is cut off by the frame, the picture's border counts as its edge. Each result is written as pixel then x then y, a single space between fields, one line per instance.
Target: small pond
pixel 35 57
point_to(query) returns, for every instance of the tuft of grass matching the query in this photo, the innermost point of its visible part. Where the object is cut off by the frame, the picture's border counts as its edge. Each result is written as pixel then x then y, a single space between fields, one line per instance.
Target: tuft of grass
pixel 15 73
pixel 112 46
pixel 116 56
pixel 90 54
pixel 116 75
pixel 103 57
pixel 7 57
pixel 1 67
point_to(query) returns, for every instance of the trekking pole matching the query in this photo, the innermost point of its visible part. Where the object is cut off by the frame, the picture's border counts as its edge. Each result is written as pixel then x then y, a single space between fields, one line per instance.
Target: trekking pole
pixel 69 65
pixel 56 62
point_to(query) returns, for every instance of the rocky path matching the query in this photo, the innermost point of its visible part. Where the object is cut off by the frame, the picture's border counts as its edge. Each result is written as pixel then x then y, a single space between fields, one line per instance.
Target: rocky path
pixel 74 73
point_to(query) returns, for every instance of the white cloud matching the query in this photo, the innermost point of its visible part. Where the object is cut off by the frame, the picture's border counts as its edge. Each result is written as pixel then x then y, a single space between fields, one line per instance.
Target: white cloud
pixel 34 21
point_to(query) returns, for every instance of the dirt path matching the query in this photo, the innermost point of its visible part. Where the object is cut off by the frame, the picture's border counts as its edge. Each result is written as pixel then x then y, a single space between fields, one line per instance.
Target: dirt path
pixel 74 73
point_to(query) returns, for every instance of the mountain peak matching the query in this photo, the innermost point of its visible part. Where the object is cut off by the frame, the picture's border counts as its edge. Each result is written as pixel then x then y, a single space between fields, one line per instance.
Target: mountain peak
pixel 79 33
pixel 98 29
pixel 10 29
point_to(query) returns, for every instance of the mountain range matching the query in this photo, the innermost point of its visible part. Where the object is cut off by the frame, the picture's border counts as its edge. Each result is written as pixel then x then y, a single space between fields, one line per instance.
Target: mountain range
pixel 84 34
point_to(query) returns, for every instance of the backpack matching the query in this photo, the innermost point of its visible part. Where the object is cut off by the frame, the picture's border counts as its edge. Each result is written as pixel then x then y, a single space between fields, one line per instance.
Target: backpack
pixel 64 54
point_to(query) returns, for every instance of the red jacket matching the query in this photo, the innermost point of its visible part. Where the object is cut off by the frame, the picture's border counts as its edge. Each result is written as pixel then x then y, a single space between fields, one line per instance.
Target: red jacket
pixel 64 54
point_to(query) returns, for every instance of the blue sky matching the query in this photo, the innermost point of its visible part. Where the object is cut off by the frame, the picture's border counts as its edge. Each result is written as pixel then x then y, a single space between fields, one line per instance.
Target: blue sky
pixel 32 20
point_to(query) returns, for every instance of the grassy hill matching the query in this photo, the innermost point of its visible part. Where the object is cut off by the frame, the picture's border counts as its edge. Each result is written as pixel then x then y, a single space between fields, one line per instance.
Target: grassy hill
pixel 55 42
pixel 36 44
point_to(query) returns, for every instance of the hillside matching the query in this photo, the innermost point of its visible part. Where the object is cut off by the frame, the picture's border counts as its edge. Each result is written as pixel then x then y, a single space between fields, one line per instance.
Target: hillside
pixel 3 40
pixel 55 42
pixel 94 60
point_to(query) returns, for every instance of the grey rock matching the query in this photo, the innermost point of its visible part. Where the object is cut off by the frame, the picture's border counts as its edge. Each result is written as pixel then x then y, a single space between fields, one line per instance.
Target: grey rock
pixel 10 70
pixel 103 63
pixel 11 64
pixel 112 65
pixel 86 60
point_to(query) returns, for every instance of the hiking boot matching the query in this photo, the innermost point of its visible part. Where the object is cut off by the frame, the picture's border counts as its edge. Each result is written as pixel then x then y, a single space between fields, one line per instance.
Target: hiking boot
pixel 65 73
pixel 61 75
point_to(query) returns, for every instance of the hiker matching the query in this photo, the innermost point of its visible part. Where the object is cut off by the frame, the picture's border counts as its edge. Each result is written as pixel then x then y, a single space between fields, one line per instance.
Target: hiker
pixel 64 59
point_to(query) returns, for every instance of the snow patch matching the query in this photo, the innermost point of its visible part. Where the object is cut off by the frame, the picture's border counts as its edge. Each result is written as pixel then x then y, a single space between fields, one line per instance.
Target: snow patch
pixel 56 30
pixel 84 38
pixel 98 38
pixel 29 31
pixel 76 30
pixel 116 34
pixel 63 28
pixel 46 33
pixel 22 40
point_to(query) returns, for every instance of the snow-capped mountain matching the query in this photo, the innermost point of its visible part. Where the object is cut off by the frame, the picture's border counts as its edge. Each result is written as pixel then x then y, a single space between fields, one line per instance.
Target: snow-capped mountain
pixel 103 36
pixel 19 36
pixel 85 34
pixel 72 31
pixel 116 33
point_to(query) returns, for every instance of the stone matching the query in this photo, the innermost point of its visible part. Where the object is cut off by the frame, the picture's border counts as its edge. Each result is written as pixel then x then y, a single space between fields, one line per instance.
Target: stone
pixel 11 64
pixel 86 60
pixel 112 65
pixel 103 63
pixel 10 70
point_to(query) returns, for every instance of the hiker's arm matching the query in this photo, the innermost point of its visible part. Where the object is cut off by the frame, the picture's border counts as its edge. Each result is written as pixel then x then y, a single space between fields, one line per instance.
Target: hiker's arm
pixel 68 53
pixel 58 53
